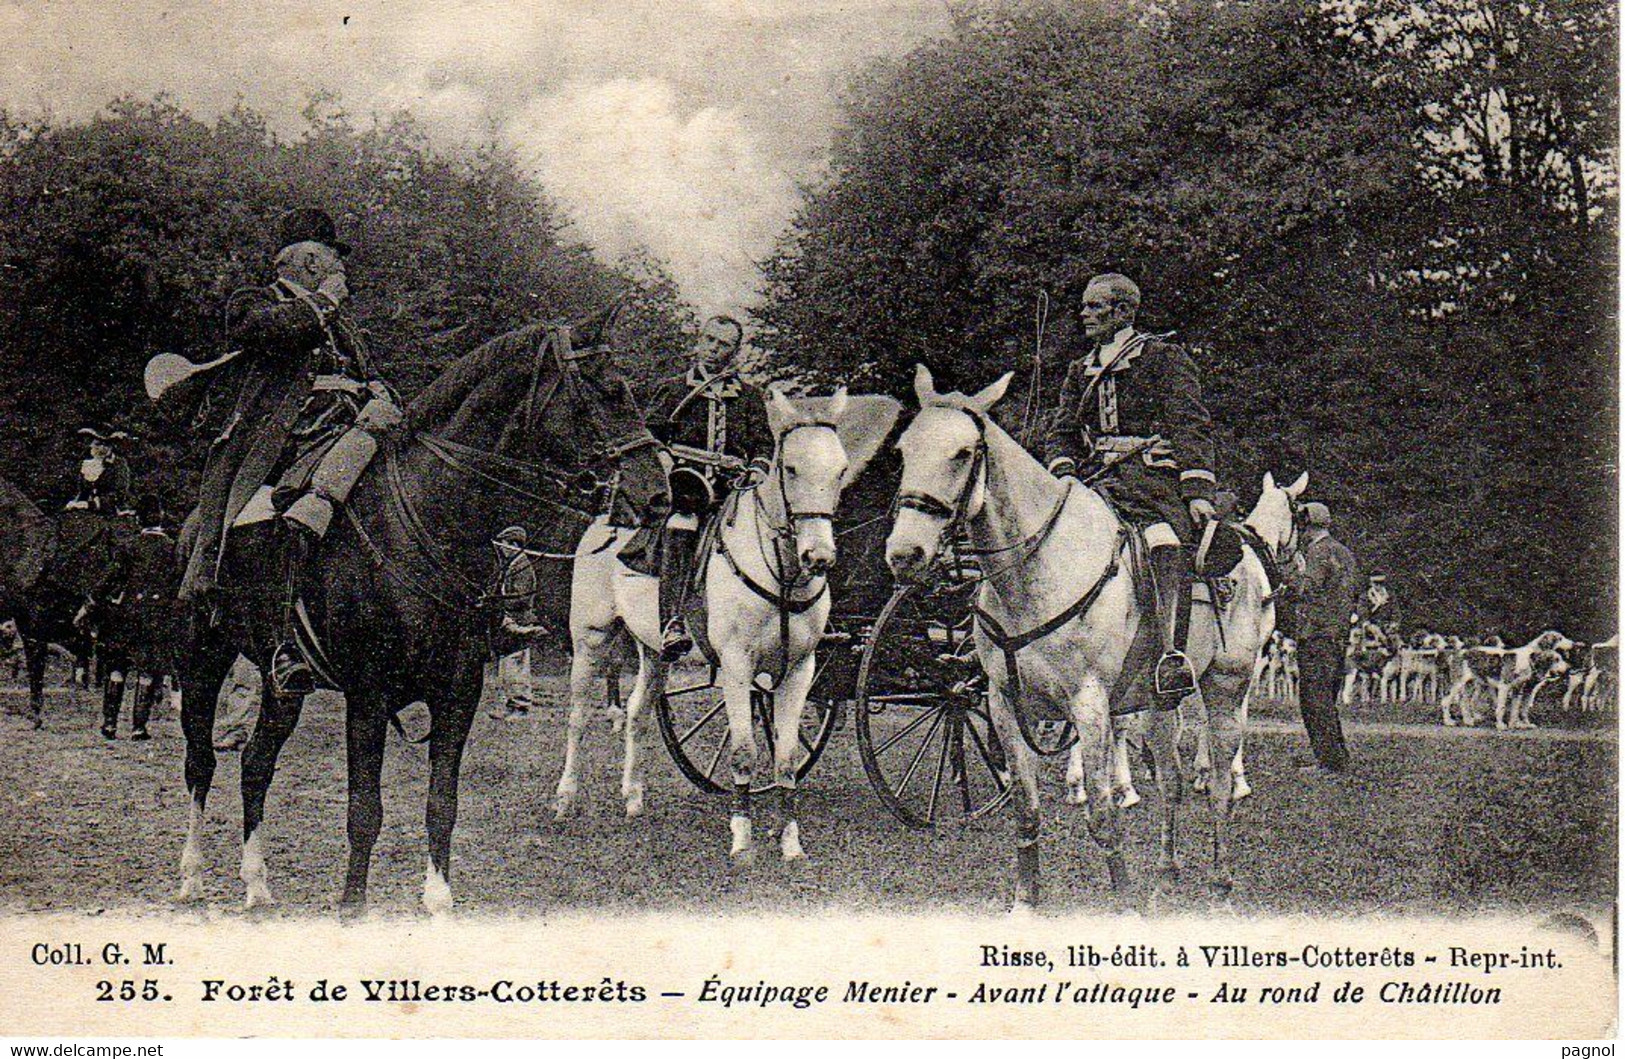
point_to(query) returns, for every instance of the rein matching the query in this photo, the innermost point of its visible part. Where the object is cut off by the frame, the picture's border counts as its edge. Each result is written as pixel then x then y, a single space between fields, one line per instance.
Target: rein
pixel 787 575
pixel 491 467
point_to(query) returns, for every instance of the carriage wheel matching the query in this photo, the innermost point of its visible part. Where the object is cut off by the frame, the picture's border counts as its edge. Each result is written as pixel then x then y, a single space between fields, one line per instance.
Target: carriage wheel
pixel 924 732
pixel 694 726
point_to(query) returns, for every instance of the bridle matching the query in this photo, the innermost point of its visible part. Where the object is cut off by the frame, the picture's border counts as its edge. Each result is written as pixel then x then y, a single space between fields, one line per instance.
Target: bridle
pixel 518 477
pixel 953 516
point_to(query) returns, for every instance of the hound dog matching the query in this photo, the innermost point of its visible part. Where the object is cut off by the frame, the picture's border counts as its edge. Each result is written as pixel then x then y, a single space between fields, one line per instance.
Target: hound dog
pixel 1514 675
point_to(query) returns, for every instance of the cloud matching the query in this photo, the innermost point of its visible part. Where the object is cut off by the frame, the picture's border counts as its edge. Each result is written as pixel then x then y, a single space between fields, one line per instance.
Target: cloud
pixel 695 188
pixel 681 126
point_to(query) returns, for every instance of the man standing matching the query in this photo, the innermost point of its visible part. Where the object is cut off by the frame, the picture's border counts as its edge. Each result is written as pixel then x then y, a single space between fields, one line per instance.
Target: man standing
pixel 516 582
pixel 304 425
pixel 1132 402
pixel 1328 598
pixel 139 628
pixel 715 423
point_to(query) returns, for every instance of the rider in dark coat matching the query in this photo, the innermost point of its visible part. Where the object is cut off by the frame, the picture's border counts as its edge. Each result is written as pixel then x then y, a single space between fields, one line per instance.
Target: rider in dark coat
pixel 304 385
pixel 716 424
pixel 1133 401
pixel 104 476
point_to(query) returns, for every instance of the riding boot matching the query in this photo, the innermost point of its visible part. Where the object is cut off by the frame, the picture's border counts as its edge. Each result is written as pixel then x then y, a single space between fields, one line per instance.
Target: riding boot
pixel 676 571
pixel 112 703
pixel 290 673
pixel 1174 678
pixel 141 712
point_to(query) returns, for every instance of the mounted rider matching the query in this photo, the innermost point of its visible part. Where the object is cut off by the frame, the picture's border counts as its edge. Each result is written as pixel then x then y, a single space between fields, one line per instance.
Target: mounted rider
pixel 1131 406
pixel 714 423
pixel 104 475
pixel 306 424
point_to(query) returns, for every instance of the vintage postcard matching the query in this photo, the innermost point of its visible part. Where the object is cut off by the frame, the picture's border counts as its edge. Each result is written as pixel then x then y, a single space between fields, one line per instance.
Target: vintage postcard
pixel 809 518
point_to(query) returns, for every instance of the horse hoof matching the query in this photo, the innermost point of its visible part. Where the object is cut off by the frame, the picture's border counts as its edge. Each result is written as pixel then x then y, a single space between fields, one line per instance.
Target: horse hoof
pixel 1240 789
pixel 1077 795
pixel 191 891
pixel 436 893
pixel 1129 800
pixel 1022 911
pixel 258 900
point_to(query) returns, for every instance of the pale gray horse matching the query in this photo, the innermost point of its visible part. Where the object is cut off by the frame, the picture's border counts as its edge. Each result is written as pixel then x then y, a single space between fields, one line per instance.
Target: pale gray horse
pixel 1055 548
pixel 782 523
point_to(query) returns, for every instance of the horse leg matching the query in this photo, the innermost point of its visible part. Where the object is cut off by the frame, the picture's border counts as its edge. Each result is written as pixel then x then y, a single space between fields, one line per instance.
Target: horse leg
pixel 279 715
pixel 586 664
pixel 366 728
pixel 36 652
pixel 790 703
pixel 1222 692
pixel 1077 792
pixel 650 686
pixel 1161 735
pixel 1122 775
pixel 1023 801
pixel 1202 762
pixel 1093 721
pixel 209 659
pixel 453 716
pixel 735 675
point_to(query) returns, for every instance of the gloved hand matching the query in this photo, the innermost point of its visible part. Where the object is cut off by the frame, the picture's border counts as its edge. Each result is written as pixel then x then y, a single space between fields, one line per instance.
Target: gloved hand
pixel 1201 512
pixel 1063 467
pixel 334 288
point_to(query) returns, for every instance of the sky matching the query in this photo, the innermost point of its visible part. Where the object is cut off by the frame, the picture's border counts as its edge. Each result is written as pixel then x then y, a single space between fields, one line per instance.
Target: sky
pixel 680 127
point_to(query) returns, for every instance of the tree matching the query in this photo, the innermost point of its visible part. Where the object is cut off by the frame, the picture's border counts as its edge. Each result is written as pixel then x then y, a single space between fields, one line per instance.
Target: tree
pixel 1278 194
pixel 128 231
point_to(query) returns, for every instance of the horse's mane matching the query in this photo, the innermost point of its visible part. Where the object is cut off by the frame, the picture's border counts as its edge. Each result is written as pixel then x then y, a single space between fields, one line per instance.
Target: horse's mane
pixel 452 387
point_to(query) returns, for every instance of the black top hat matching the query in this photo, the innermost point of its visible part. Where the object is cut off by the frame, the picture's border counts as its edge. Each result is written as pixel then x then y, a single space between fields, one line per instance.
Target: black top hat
pixel 309 224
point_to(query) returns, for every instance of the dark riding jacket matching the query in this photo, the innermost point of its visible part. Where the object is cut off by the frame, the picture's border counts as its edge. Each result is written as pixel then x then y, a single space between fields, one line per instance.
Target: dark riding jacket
pixel 720 413
pixel 1150 388
pixel 287 345
pixel 1114 401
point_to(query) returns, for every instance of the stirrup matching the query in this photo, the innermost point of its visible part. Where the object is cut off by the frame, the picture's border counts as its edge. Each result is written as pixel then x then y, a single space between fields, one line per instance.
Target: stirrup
pixel 290 673
pixel 675 642
pixel 1174 678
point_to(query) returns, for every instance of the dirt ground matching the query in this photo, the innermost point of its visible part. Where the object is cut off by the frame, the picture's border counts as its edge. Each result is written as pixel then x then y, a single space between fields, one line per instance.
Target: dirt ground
pixel 1480 821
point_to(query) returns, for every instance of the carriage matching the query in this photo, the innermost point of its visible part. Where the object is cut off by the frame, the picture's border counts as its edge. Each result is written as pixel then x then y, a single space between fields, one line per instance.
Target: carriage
pixel 896 668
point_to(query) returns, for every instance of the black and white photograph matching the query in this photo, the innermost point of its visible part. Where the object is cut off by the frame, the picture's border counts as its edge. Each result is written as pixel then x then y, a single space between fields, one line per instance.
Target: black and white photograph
pixel 829 518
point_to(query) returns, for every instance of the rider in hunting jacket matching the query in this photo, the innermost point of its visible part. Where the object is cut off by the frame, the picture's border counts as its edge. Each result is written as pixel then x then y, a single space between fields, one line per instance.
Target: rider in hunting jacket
pixel 709 410
pixel 304 424
pixel 1132 402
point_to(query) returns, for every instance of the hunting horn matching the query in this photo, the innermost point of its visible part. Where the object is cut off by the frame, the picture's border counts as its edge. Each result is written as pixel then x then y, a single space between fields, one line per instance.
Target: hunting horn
pixel 167 369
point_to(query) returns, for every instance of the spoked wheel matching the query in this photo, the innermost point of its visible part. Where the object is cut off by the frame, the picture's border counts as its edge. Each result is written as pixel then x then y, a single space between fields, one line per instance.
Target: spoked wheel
pixel 694 726
pixel 924 731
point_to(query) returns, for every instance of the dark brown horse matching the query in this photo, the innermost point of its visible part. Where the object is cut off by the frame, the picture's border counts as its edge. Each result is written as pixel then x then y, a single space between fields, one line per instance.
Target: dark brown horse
pixel 52 573
pixel 403 589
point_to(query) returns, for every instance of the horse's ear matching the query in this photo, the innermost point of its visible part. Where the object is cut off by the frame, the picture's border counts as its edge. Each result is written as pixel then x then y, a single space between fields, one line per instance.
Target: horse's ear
pixel 925 387
pixel 781 412
pixel 837 405
pixel 993 394
pixel 1296 489
pixel 1269 480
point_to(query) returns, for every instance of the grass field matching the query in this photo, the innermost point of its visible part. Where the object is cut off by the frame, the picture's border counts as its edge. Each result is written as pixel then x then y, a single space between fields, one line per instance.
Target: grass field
pixel 1430 822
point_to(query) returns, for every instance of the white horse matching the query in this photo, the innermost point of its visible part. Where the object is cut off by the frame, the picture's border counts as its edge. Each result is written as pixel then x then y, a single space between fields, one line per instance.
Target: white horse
pixel 1272 525
pixel 765 599
pixel 1058 583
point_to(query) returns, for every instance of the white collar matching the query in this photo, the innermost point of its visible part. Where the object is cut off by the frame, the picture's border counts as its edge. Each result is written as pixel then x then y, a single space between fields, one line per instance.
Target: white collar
pixel 1123 348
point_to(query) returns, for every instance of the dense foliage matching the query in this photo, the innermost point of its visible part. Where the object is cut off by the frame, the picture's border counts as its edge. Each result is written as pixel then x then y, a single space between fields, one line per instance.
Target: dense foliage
pixel 126 233
pixel 1387 228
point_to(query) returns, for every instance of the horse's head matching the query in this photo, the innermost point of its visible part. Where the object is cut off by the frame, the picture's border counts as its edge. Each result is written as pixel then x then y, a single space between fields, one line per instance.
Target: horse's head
pixel 944 472
pixel 1273 517
pixel 821 445
pixel 622 442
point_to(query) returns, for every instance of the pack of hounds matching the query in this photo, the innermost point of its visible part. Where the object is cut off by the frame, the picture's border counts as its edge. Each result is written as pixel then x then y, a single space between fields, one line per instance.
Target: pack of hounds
pixel 1467 679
